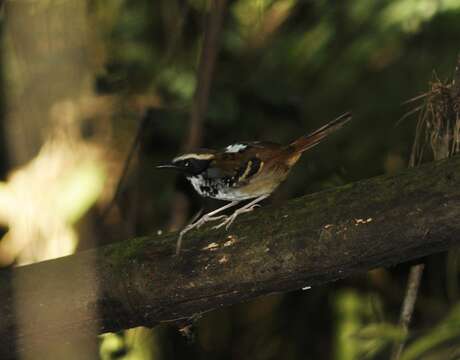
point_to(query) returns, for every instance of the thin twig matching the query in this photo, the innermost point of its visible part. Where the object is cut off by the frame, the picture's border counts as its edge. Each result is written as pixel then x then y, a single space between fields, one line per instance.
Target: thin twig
pixel 209 51
pixel 205 72
pixel 415 98
pixel 132 150
pixel 176 36
pixel 407 309
pixel 406 115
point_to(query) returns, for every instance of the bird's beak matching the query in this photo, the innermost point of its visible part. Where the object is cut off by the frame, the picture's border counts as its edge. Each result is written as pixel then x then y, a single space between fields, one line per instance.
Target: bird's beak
pixel 166 166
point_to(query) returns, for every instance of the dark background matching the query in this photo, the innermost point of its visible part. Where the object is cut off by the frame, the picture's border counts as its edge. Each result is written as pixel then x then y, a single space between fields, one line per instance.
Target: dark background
pixel 283 68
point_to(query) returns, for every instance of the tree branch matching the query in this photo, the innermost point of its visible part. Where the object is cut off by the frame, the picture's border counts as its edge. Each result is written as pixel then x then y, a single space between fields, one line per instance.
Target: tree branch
pixel 309 241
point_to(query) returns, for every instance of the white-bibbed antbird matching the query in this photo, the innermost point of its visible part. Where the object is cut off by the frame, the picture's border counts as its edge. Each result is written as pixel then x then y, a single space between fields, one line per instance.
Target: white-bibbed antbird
pixel 243 171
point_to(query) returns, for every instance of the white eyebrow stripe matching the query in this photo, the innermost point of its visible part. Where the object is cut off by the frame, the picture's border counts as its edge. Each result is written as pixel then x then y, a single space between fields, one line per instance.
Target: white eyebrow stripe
pixel 234 148
pixel 194 156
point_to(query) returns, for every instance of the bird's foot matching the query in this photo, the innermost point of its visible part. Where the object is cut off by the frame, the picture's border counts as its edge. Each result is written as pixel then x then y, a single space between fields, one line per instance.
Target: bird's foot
pixel 196 224
pixel 204 219
pixel 227 222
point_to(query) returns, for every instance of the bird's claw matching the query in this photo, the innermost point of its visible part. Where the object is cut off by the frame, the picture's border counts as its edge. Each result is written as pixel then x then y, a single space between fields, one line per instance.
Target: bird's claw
pixel 228 221
pixel 206 219
pixel 197 224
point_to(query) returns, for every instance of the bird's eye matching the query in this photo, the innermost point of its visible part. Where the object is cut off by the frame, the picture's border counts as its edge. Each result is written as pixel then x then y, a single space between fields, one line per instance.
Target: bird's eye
pixel 187 163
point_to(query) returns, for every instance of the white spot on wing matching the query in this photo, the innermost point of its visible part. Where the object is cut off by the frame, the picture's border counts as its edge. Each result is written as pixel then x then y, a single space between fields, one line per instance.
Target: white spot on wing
pixel 234 148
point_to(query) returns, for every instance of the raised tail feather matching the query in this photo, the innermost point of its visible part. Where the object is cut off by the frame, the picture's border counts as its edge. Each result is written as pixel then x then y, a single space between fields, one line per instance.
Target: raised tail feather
pixel 308 141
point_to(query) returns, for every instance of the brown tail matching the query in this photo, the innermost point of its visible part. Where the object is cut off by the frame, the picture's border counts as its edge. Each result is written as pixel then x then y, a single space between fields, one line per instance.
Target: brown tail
pixel 308 141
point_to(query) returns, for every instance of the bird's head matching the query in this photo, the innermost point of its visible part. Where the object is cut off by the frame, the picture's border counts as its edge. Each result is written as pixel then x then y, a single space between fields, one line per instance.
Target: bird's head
pixel 190 164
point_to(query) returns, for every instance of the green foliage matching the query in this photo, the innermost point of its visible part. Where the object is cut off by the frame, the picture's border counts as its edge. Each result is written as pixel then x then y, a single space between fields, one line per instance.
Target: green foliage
pixel 359 334
pixel 284 67
pixel 437 339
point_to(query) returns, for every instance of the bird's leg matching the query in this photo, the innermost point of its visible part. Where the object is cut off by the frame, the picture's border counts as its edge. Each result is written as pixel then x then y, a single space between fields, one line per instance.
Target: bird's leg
pixel 210 216
pixel 244 209
pixel 202 220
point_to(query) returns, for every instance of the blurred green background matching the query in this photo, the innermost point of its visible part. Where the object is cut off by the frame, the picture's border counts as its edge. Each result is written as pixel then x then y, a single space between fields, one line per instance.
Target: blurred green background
pixel 284 67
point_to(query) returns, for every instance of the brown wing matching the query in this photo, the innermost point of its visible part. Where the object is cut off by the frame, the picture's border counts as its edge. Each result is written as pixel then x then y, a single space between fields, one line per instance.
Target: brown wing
pixel 242 165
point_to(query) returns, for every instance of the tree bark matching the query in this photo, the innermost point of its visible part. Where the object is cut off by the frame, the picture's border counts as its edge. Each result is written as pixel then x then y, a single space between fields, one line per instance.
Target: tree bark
pixel 311 240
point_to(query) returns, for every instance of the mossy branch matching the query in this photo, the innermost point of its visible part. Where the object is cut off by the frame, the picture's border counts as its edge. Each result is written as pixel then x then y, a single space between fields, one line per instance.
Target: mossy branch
pixel 309 241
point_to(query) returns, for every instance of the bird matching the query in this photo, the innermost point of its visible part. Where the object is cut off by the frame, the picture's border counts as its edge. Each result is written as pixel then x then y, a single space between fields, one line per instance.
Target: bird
pixel 243 171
